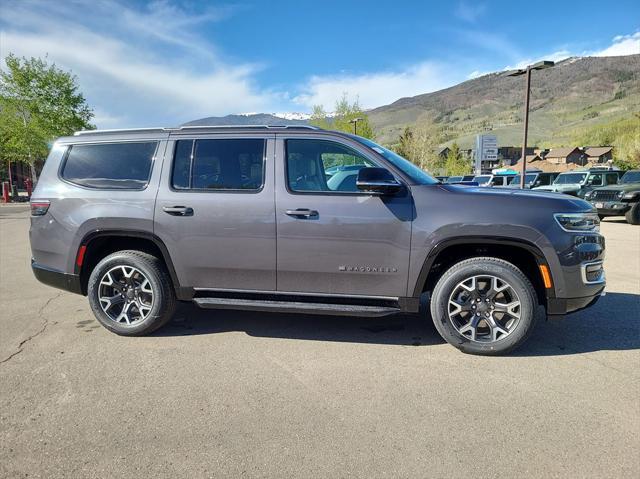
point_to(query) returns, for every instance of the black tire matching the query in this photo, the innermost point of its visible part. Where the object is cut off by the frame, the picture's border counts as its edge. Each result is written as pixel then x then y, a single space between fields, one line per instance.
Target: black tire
pixel 633 215
pixel 506 273
pixel 163 301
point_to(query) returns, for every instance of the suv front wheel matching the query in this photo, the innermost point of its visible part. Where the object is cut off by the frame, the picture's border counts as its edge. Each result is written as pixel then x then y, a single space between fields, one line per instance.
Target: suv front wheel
pixel 484 306
pixel 130 293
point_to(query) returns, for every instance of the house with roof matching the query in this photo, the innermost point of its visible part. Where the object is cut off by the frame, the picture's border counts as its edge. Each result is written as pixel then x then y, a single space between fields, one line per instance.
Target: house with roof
pixel 572 154
pixel 598 154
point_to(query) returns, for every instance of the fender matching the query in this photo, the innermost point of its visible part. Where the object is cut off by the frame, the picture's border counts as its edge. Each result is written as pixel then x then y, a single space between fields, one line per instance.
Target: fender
pixel 182 293
pixel 458 240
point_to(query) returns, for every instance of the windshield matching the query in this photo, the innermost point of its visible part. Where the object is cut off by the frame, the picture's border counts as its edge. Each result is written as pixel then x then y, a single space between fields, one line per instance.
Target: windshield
pixel 630 177
pixel 419 176
pixel 568 178
pixel 529 178
pixel 482 180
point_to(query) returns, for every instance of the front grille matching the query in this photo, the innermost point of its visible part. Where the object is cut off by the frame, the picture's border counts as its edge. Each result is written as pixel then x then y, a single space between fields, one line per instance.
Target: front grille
pixel 605 195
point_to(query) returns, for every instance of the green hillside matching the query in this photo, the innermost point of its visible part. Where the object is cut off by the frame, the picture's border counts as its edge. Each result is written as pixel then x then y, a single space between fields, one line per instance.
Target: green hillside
pixel 577 95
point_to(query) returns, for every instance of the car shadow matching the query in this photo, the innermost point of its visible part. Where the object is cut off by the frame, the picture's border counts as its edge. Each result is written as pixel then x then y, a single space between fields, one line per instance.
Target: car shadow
pixel 613 323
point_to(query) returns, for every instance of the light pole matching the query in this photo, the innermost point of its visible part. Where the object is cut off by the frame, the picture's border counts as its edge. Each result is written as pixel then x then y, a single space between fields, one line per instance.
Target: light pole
pixel 355 125
pixel 536 66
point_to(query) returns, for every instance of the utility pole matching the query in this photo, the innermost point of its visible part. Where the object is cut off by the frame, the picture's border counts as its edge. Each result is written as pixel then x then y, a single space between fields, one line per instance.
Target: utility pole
pixel 355 125
pixel 527 71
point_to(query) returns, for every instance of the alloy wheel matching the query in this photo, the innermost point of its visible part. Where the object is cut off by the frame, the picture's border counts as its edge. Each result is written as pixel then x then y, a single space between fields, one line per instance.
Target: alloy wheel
pixel 484 308
pixel 125 295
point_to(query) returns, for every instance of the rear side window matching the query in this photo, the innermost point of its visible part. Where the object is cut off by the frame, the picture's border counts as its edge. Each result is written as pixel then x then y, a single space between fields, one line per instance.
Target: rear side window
pixel 110 165
pixel 225 164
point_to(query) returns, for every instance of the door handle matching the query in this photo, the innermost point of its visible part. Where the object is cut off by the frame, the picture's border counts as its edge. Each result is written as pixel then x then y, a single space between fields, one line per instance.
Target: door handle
pixel 302 213
pixel 178 210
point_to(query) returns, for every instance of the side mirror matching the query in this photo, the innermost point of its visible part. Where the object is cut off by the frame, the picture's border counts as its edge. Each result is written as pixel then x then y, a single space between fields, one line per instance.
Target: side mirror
pixel 377 180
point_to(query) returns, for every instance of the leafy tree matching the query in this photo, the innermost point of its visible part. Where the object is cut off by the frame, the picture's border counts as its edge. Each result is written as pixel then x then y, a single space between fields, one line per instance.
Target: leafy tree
pixel 455 164
pixel 343 115
pixel 38 102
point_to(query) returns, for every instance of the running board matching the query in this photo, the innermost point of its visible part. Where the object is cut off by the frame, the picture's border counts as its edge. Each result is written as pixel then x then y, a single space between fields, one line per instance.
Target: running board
pixel 295 307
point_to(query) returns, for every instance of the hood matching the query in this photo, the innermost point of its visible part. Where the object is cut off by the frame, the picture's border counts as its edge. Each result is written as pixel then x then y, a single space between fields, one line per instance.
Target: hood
pixel 625 187
pixel 560 188
pixel 569 203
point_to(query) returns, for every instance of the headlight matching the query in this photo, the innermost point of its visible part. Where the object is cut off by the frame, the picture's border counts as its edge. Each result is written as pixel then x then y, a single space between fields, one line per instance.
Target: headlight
pixel 620 194
pixel 630 195
pixel 589 195
pixel 578 221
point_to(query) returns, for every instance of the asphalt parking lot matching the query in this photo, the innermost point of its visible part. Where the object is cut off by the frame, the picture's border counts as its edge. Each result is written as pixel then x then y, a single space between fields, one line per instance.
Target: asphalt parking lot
pixel 232 394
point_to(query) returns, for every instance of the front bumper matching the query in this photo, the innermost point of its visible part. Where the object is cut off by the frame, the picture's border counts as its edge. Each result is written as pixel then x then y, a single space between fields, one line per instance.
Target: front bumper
pixel 611 208
pixel 57 279
pixel 558 307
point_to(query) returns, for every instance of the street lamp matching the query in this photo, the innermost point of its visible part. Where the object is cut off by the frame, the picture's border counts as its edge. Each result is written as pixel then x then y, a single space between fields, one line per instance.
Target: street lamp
pixel 355 124
pixel 536 66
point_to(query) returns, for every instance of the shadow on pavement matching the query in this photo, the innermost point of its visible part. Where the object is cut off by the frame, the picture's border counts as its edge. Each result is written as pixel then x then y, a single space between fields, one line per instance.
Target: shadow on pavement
pixel 613 323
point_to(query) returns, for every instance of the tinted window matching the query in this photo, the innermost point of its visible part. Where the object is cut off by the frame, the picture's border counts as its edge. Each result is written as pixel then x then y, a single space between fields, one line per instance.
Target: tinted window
pixel 319 165
pixel 110 165
pixel 229 164
pixel 612 178
pixel 595 179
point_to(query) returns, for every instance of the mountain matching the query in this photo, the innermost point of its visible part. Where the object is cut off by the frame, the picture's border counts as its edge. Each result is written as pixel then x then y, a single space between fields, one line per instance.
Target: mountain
pixel 576 94
pixel 252 119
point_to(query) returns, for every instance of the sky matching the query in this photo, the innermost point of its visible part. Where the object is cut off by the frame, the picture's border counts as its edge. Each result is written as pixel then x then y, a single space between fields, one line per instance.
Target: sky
pixel 164 62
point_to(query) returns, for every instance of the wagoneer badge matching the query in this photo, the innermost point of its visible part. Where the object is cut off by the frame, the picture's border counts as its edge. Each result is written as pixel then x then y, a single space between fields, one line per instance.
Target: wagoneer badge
pixel 367 269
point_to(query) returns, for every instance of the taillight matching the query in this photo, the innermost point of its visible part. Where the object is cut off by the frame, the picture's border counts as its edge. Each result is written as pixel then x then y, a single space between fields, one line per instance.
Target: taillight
pixel 39 207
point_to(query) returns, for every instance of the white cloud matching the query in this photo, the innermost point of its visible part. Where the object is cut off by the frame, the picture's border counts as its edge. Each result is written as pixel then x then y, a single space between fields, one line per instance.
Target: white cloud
pixel 554 57
pixel 470 12
pixel 115 54
pixel 374 89
pixel 622 45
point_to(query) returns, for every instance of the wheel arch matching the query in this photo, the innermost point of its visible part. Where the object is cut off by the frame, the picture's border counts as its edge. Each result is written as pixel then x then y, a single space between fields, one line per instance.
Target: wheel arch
pixel 97 244
pixel 522 253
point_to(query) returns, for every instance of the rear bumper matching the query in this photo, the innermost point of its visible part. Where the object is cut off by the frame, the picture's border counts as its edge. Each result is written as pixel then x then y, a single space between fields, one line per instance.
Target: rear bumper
pixel 57 279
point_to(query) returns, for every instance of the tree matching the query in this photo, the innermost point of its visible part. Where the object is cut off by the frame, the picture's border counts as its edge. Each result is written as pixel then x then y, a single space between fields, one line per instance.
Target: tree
pixel 456 164
pixel 343 115
pixel 38 102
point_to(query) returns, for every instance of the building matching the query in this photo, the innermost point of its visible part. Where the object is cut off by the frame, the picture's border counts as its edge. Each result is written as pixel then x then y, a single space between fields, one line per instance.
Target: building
pixel 509 155
pixel 572 154
pixel 598 154
pixel 486 154
pixel 444 152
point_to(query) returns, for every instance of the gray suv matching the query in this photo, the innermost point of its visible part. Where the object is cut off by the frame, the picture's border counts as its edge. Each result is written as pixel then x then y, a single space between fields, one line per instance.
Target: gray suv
pixel 302 220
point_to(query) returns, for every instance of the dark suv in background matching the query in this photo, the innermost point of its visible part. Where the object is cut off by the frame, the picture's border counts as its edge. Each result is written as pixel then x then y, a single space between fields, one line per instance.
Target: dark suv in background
pixel 301 220
pixel 622 198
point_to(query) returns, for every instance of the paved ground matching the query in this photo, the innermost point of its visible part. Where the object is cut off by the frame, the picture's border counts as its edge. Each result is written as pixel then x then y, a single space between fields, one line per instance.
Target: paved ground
pixel 234 394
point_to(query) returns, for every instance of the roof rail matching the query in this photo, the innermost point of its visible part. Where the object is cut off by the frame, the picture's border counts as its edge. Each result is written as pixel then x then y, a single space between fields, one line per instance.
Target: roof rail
pixel 197 127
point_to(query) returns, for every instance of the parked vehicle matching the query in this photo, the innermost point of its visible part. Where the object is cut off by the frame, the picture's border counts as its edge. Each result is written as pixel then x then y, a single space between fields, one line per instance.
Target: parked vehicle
pixel 493 180
pixel 245 218
pixel 459 179
pixel 580 182
pixel 620 199
pixel 533 179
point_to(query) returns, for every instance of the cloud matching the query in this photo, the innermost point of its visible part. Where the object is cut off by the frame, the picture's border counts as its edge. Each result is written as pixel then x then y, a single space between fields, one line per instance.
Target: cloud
pixel 554 57
pixel 147 62
pixel 377 88
pixel 470 12
pixel 621 45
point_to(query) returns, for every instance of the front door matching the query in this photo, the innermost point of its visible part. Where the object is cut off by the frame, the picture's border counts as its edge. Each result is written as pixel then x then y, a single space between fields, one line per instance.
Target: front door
pixel 215 211
pixel 333 239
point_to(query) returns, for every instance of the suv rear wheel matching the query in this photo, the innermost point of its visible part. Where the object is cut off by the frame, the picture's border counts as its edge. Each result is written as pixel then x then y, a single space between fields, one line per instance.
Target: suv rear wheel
pixel 130 293
pixel 484 306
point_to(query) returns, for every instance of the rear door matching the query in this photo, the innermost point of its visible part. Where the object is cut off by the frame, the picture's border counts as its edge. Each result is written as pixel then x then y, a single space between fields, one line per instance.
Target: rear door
pixel 215 210
pixel 333 239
